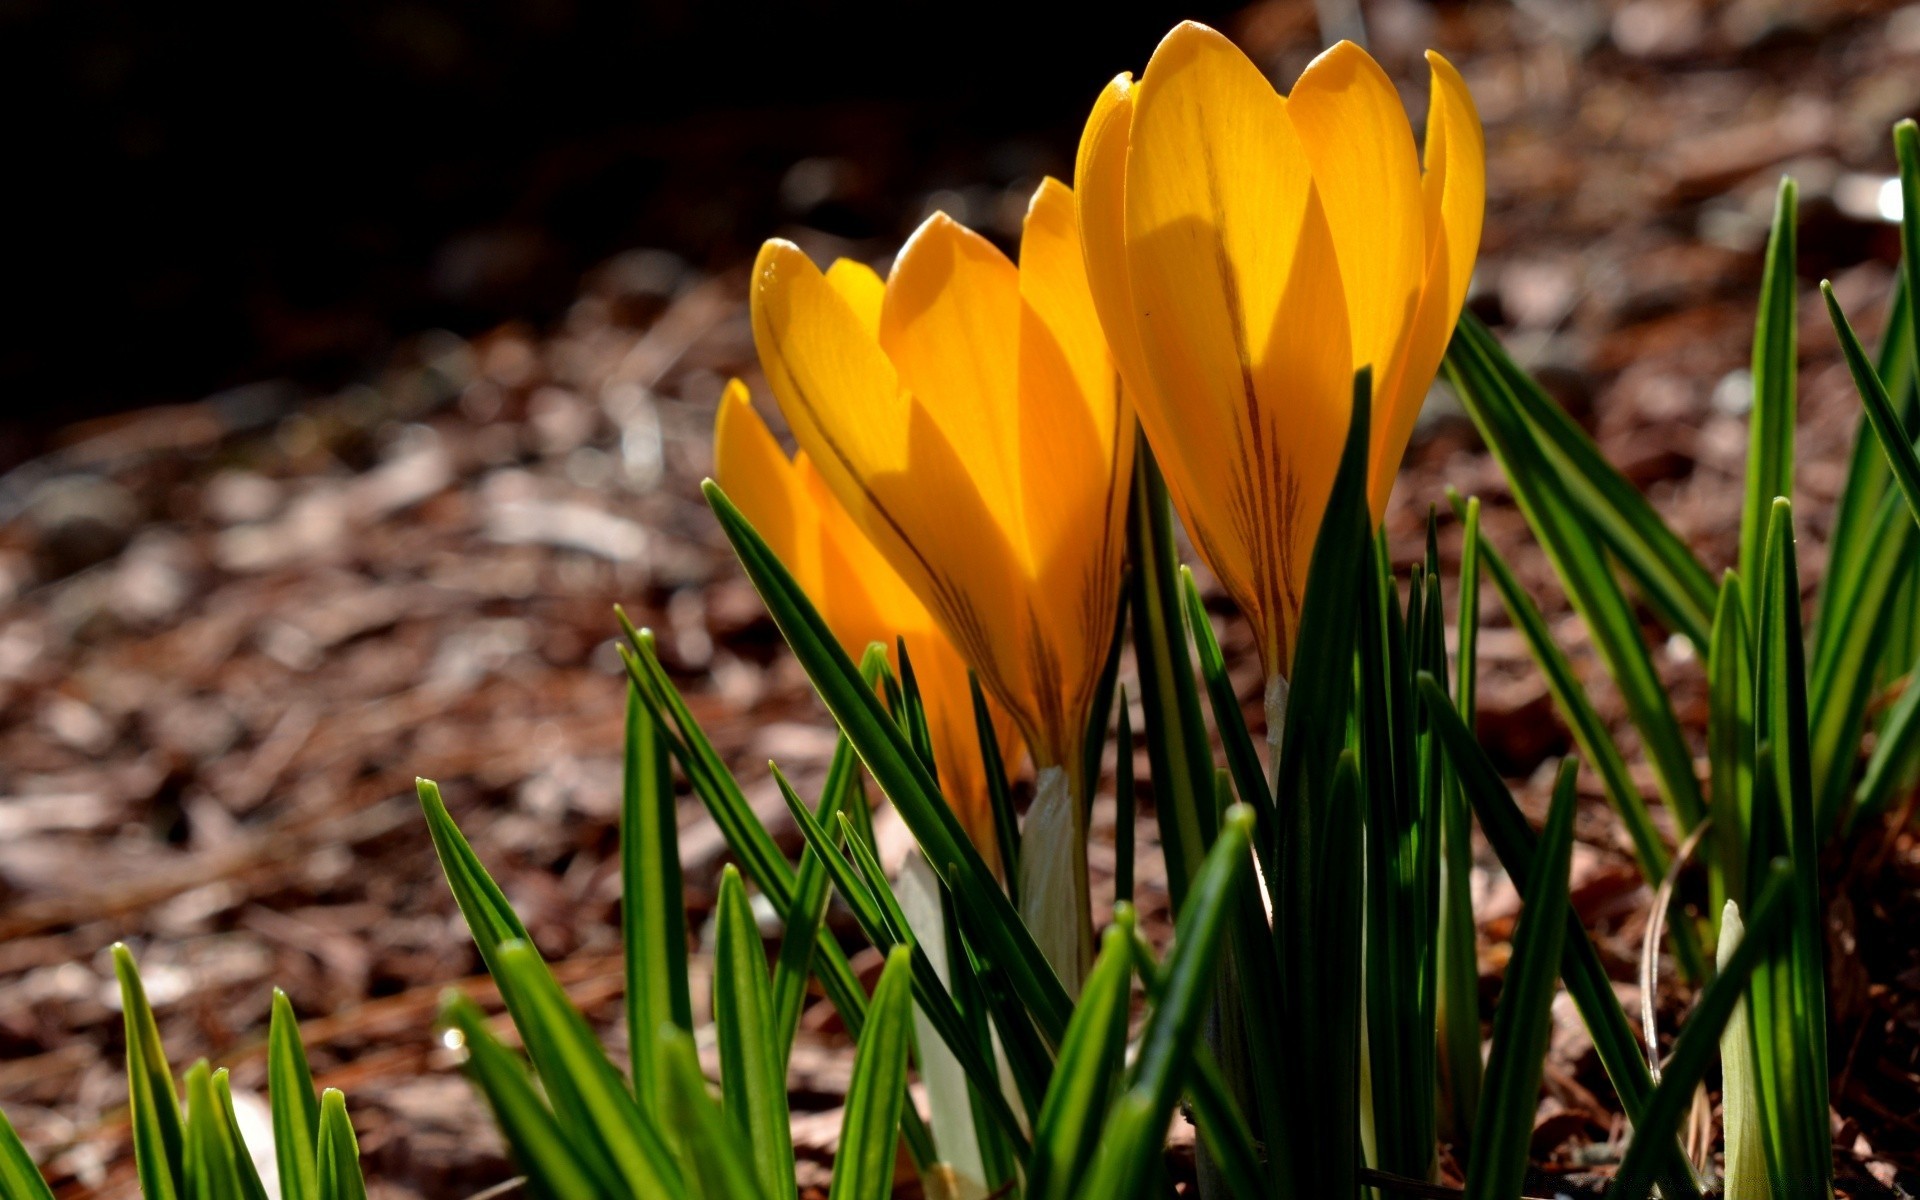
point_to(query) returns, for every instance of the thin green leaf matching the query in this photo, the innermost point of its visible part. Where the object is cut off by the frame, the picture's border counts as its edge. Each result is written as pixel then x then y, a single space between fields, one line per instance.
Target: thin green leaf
pixel 1730 743
pixel 1522 1021
pixel 1562 523
pixel 159 1135
pixel 295 1105
pixel 1665 571
pixel 993 926
pixel 1896 750
pixel 339 1152
pixel 1071 1118
pixel 1695 1050
pixel 1513 842
pixel 653 918
pixel 1595 740
pixel 1873 393
pixel 1858 612
pixel 752 846
pixel 1249 779
pixel 1457 1003
pixel 869 1131
pixel 586 1092
pixel 1179 755
pixel 211 1172
pixel 881 919
pixel 1789 994
pixel 752 1062
pixel 542 1148
pixel 251 1186
pixel 1124 802
pixel 811 892
pixel 1775 367
pixel 715 1150
pixel 1006 825
pixel 19 1178
pixel 1139 1119
pixel 490 918
pixel 1100 712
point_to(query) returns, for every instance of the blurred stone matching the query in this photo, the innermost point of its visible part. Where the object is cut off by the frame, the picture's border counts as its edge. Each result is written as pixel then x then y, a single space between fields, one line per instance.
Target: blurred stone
pixel 80 520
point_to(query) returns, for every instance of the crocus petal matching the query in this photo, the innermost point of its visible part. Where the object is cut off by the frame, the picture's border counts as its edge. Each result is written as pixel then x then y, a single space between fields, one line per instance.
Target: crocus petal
pixel 1076 437
pixel 891 463
pixel 1453 203
pixel 1099 188
pixel 951 325
pixel 860 596
pixel 1237 295
pixel 862 288
pixel 1355 132
pixel 754 470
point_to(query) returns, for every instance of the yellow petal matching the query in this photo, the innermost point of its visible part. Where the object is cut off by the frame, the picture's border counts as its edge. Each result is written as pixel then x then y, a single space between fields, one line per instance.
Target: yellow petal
pixel 889 462
pixel 862 288
pixel 1238 299
pixel 1456 178
pixel 1100 181
pixel 1076 438
pixel 750 465
pixel 1454 197
pixel 1355 132
pixel 951 325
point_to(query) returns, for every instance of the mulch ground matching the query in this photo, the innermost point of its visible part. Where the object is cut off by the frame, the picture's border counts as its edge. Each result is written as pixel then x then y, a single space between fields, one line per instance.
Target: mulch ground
pixel 231 633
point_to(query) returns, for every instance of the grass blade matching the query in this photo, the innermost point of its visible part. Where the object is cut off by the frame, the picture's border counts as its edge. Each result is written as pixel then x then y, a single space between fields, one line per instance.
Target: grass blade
pixel 994 928
pixel 1595 740
pixel 1561 523
pixel 211 1172
pixel 1124 803
pixel 542 1148
pixel 653 918
pixel 1895 752
pixel 1775 366
pixel 159 1135
pixel 752 846
pixel 752 1062
pixel 718 1157
pixel 251 1186
pixel 1179 754
pixel 1249 779
pixel 1730 743
pixel 1006 825
pixel 884 924
pixel 1513 843
pixel 1858 614
pixel 1522 1021
pixel 1071 1118
pixel 1134 1132
pixel 295 1104
pixel 1699 1041
pixel 870 1130
pixel 19 1178
pixel 587 1093
pixel 339 1152
pixel 1457 999
pixel 1664 570
pixel 1879 405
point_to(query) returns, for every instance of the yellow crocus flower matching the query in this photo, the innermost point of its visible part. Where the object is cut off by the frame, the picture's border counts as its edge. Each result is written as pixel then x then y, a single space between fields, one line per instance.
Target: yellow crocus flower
pixel 1249 252
pixel 967 414
pixel 861 598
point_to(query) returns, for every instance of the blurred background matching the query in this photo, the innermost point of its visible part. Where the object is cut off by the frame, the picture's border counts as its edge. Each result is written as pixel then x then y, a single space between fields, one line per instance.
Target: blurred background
pixel 235 192
pixel 362 355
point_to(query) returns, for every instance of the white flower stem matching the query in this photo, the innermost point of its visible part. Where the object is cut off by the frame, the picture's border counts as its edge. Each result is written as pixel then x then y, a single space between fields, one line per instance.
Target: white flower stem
pixel 1053 876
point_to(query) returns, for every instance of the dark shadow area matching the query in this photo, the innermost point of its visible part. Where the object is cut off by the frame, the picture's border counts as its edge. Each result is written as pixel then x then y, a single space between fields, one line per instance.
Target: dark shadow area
pixel 215 194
